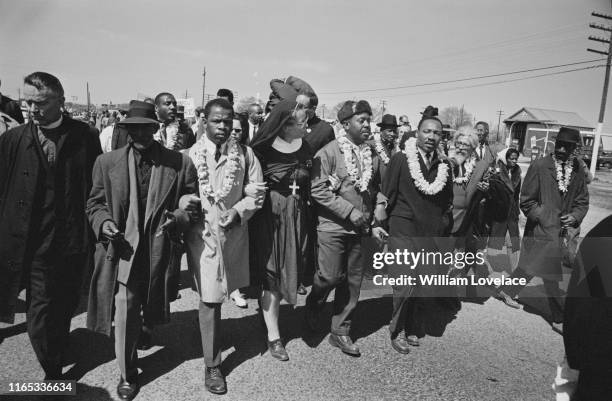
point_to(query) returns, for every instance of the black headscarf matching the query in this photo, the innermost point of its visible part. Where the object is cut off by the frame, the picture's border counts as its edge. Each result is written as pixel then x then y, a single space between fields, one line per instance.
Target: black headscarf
pixel 273 125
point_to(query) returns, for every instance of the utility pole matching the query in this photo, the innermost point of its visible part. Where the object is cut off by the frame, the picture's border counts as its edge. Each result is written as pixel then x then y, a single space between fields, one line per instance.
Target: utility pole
pixel 384 105
pixel 323 111
pixel 604 94
pixel 460 117
pixel 499 114
pixel 19 95
pixel 88 99
pixel 203 85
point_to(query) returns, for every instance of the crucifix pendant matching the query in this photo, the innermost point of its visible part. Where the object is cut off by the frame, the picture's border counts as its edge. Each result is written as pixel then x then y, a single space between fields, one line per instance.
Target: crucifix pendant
pixel 294 187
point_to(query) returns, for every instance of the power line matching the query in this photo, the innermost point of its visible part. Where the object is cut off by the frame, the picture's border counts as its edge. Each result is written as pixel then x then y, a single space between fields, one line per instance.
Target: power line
pixel 461 79
pixel 499 82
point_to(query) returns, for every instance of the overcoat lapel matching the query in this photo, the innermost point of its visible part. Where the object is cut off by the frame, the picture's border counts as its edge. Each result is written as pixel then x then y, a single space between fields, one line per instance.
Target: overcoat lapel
pixel 162 181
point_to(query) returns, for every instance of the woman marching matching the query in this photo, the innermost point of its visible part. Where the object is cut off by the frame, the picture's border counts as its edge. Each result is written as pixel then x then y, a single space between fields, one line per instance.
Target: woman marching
pixel 281 226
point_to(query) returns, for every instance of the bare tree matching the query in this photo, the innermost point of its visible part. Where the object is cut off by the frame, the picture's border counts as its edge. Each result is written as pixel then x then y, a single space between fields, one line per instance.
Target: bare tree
pixel 456 116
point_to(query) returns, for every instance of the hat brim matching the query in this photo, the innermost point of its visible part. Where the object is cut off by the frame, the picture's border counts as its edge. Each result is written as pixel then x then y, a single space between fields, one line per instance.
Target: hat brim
pixel 381 125
pixel 138 120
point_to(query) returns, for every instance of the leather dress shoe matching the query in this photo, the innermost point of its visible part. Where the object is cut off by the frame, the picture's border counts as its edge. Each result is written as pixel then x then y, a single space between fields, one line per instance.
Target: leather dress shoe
pixel 400 344
pixel 214 381
pixel 127 390
pixel 507 299
pixel 145 340
pixel 413 340
pixel 277 350
pixel 345 344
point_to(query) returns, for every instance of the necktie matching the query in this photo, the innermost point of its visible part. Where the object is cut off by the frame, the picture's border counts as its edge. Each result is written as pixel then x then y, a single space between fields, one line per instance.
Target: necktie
pixel 218 153
pixel 428 160
pixel 481 151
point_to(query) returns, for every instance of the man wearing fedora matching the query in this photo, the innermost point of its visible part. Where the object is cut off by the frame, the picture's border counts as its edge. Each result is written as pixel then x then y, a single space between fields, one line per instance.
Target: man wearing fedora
pixel 555 199
pixel 385 142
pixel 133 210
pixel 45 178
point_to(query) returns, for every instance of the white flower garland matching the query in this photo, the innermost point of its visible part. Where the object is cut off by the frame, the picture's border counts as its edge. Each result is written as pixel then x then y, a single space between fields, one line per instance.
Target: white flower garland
pixel 169 142
pixel 469 168
pixel 365 152
pixel 411 152
pixel 198 155
pixel 563 178
pixel 380 149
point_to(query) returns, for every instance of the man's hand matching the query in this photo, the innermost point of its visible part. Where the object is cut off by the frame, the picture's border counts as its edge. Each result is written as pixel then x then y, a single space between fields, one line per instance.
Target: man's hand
pixel 380 213
pixel 168 225
pixel 356 217
pixel 380 235
pixel 192 205
pixel 483 186
pixel 568 221
pixel 110 230
pixel 229 219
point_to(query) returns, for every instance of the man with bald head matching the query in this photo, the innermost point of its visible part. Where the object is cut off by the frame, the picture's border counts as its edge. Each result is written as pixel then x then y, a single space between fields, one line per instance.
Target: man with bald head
pixel 255 118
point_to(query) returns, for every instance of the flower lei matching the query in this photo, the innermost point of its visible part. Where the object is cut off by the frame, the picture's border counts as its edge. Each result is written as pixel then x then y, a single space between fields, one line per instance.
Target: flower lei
pixel 469 168
pixel 380 149
pixel 563 177
pixel 366 163
pixel 198 155
pixel 169 142
pixel 410 150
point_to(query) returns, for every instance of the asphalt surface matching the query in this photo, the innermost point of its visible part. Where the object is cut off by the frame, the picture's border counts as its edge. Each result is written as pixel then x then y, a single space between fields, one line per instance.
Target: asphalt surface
pixel 489 352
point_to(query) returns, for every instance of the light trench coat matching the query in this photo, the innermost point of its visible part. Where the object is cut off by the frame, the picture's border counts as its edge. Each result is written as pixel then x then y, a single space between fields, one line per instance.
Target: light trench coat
pixel 218 259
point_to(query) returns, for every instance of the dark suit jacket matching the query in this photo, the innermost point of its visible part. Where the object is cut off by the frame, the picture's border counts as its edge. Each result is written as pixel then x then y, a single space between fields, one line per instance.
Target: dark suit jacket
pixel 319 134
pixel 20 165
pixel 12 108
pixel 174 176
pixel 544 204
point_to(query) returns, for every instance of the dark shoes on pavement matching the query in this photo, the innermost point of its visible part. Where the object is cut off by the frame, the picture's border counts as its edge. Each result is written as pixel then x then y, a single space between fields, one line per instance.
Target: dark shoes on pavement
pixel 413 340
pixel 507 299
pixel 345 344
pixel 126 391
pixel 214 381
pixel 277 350
pixel 400 344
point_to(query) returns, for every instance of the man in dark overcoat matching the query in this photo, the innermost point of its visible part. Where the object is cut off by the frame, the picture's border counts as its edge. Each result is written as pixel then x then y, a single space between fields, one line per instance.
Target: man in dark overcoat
pixel 555 198
pixel 45 178
pixel 135 188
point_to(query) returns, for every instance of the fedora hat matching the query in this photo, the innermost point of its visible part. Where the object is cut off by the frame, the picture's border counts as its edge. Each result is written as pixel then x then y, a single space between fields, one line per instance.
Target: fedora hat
pixel 568 135
pixel 140 113
pixel 388 121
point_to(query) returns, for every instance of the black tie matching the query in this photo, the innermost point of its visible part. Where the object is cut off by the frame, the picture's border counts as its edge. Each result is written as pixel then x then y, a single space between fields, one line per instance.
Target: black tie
pixel 218 153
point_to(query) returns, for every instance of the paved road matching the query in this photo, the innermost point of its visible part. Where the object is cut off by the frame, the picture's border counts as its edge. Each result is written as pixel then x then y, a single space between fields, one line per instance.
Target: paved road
pixel 490 352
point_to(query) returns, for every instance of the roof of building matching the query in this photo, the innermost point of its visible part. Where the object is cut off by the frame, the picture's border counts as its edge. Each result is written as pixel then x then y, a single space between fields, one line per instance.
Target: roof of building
pixel 556 117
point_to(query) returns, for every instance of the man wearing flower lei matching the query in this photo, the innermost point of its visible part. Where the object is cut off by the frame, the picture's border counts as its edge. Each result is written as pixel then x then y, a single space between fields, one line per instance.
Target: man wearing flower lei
pixel 385 142
pixel 217 246
pixel 419 189
pixel 555 199
pixel 173 133
pixel 345 214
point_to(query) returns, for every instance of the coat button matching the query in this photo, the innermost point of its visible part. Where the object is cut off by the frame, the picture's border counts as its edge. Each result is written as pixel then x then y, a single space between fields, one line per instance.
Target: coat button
pixel 20 203
pixel 26 173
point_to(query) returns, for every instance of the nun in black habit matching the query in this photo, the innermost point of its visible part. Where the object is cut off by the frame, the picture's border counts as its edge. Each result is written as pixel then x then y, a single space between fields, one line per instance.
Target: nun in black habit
pixel 279 231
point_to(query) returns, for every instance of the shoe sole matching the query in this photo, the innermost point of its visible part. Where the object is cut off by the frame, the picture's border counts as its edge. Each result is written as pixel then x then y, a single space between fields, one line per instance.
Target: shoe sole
pixel 335 344
pixel 401 351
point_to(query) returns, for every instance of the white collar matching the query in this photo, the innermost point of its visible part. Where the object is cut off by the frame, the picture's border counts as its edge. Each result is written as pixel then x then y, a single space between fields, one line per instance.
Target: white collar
pixel 287 147
pixel 209 145
pixel 54 124
pixel 423 153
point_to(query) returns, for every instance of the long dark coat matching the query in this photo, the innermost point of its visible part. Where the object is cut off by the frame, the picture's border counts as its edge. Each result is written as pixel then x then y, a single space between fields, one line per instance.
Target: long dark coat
pixel 507 220
pixel 172 177
pixel 20 165
pixel 543 204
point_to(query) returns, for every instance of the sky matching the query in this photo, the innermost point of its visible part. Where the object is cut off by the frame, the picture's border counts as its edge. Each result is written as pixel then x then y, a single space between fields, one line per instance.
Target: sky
pixel 346 49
